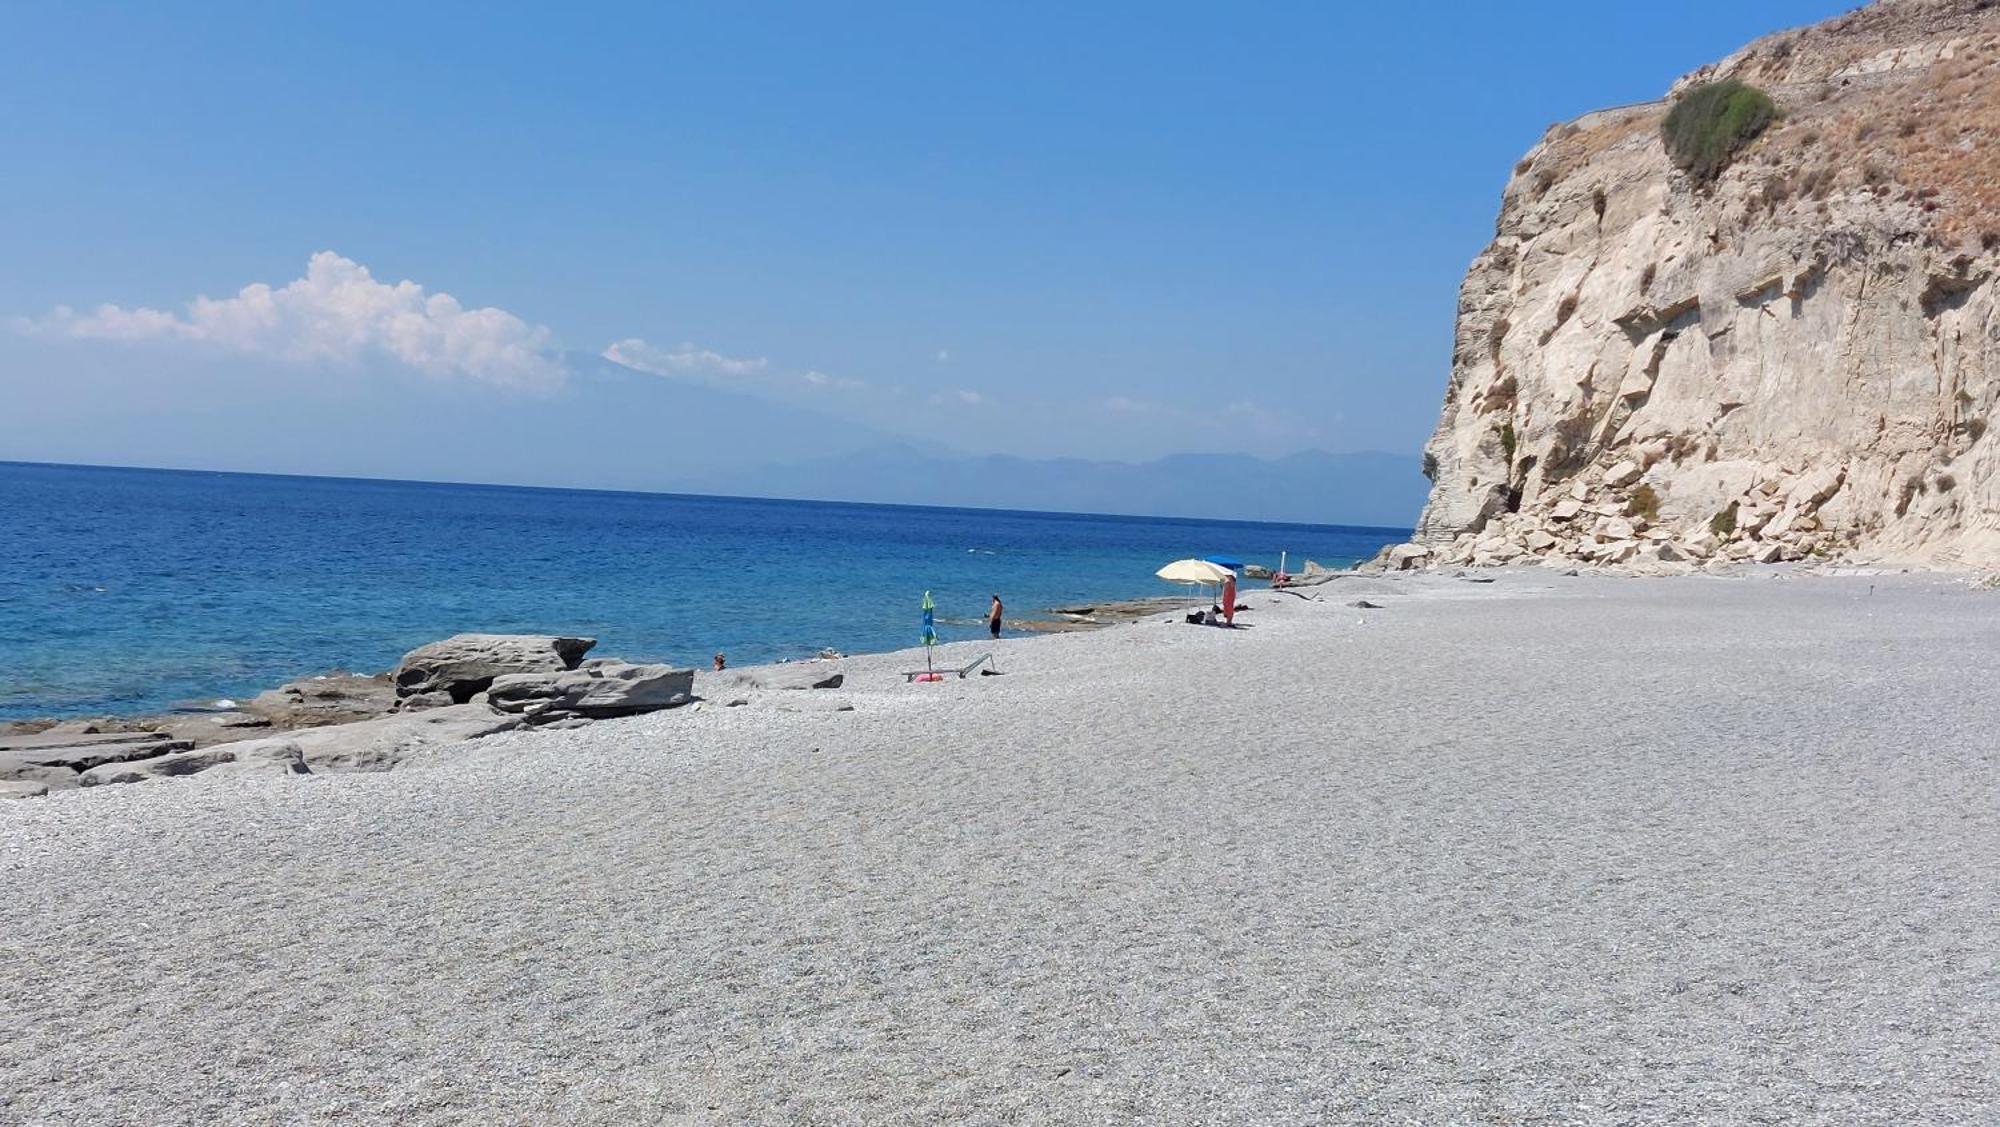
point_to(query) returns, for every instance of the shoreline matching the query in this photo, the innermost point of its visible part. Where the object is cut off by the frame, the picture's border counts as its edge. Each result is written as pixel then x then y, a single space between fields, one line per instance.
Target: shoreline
pixel 325 704
pixel 199 722
pixel 371 696
pixel 196 720
pixel 343 722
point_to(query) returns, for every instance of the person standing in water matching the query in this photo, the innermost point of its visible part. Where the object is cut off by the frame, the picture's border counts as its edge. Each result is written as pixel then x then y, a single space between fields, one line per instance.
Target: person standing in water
pixel 993 617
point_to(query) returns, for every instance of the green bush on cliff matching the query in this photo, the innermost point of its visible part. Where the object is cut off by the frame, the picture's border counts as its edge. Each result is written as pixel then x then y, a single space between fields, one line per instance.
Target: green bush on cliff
pixel 1644 501
pixel 1710 123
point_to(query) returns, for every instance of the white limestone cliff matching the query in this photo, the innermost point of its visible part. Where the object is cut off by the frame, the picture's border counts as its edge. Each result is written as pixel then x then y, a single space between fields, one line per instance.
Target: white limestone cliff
pixel 1801 360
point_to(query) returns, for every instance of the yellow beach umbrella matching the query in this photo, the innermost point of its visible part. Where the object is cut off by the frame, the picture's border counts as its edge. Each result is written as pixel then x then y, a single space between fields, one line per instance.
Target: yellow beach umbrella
pixel 1194 571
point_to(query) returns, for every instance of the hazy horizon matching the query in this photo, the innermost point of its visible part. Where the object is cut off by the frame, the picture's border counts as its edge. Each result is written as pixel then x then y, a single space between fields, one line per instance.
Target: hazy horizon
pixel 804 497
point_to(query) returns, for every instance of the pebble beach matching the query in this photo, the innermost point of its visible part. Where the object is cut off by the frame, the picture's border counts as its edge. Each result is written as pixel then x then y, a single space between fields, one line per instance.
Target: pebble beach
pixel 1546 849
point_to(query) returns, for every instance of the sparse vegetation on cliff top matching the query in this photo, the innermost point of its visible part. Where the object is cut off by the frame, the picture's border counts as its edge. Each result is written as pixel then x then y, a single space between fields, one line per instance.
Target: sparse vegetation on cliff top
pixel 1710 123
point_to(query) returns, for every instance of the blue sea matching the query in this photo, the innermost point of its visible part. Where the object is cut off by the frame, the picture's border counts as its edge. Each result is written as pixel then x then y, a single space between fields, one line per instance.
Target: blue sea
pixel 127 591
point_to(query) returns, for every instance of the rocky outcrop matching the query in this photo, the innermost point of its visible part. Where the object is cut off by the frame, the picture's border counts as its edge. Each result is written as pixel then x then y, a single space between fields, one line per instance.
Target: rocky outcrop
pixel 332 698
pixel 1800 360
pixel 464 665
pixel 276 756
pixel 56 757
pixel 344 722
pixel 387 741
pixel 600 690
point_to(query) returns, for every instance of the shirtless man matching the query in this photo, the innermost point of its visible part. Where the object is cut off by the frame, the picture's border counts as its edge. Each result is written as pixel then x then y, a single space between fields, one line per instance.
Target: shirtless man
pixel 993 617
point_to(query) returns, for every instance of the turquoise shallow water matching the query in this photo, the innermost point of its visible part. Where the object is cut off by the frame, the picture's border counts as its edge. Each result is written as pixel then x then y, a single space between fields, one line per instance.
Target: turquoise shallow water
pixel 127 591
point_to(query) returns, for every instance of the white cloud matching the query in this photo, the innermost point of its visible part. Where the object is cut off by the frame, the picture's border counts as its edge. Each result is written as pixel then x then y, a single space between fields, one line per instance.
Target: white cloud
pixel 944 355
pixel 961 397
pixel 685 360
pixel 339 313
pixel 818 378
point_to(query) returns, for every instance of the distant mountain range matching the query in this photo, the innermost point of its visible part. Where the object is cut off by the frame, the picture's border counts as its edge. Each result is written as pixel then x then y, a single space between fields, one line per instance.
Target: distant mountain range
pixel 614 427
pixel 1375 489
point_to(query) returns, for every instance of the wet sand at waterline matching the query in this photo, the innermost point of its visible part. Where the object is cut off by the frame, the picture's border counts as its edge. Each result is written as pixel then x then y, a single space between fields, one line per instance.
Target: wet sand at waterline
pixel 1549 849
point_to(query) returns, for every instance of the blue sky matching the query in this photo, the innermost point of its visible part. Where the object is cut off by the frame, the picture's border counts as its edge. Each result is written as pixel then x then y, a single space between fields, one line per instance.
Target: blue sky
pixel 1102 230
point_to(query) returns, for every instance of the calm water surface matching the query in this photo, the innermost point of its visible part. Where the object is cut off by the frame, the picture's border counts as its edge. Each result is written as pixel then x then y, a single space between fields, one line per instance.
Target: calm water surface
pixel 126 591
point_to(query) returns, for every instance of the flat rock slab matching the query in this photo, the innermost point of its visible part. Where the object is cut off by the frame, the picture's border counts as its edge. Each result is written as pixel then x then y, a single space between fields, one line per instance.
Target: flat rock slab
pixel 375 744
pixel 39 741
pixel 55 778
pixel 27 756
pixel 378 745
pixel 277 756
pixel 332 698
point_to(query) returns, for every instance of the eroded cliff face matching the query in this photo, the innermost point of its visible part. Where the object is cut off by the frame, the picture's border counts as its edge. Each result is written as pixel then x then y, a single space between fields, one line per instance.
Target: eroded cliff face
pixel 1801 360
